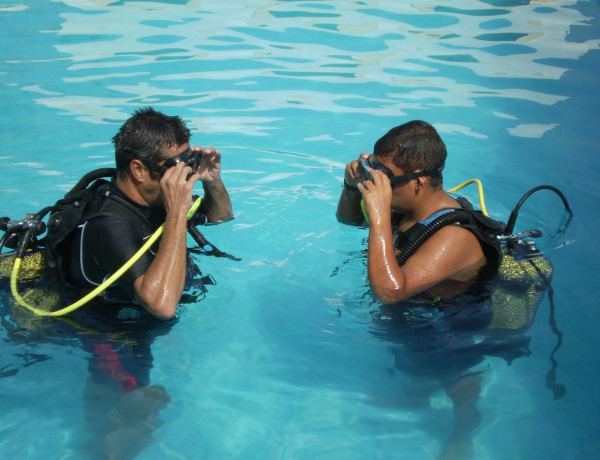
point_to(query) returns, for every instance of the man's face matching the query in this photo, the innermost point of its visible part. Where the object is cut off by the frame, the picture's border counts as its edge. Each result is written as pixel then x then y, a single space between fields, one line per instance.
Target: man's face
pixel 154 194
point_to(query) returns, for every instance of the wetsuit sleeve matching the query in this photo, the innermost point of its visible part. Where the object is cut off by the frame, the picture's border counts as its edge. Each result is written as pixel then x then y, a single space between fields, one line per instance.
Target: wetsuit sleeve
pixel 109 242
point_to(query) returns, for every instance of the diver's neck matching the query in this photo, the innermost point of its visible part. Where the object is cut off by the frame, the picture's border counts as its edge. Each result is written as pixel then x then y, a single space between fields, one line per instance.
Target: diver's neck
pixel 427 203
pixel 128 188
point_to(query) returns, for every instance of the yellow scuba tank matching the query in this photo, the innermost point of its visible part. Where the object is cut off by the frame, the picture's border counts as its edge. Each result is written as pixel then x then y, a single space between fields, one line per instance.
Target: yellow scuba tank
pixel 33 264
pixel 519 286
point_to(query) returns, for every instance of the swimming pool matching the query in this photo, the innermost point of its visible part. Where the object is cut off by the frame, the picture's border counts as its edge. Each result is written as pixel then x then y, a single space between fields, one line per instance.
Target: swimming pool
pixel 284 358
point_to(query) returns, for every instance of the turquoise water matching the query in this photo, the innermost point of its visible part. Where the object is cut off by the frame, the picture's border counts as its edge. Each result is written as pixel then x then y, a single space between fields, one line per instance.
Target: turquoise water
pixel 284 358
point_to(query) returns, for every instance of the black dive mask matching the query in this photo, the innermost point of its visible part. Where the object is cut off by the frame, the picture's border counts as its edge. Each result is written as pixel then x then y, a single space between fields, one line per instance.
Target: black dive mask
pixel 190 157
pixel 367 166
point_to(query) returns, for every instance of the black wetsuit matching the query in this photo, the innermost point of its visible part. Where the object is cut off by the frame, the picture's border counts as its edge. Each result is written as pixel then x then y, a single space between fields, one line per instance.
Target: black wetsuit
pixel 111 235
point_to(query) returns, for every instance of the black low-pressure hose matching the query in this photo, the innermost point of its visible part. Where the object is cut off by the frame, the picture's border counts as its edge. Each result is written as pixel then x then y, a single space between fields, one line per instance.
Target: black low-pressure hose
pixel 514 214
pixel 88 178
pixel 24 243
pixel 199 238
pixel 205 245
pixel 458 216
pixel 2 241
pixel 42 213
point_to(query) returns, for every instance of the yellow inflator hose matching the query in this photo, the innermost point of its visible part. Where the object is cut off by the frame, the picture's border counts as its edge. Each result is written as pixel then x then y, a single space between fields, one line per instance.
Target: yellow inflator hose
pixel 479 188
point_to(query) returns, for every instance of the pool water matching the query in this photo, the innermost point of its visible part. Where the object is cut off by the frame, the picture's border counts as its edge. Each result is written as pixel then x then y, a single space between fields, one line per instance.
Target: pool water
pixel 287 356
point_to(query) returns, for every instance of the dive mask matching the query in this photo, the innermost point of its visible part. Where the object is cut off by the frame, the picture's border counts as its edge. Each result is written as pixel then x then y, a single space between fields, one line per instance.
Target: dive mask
pixel 190 157
pixel 367 166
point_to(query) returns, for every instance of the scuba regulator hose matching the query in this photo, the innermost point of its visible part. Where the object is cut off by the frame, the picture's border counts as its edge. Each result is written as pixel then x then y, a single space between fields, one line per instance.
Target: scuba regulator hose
pixel 115 276
pixel 458 216
pixel 514 214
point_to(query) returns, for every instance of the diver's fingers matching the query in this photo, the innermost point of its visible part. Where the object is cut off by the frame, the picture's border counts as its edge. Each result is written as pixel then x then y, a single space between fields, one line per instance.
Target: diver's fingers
pixel 380 179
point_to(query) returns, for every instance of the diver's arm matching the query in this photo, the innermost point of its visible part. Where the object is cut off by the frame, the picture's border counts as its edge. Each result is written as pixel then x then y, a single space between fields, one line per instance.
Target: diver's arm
pixel 216 203
pixel 159 289
pixel 386 278
pixel 348 209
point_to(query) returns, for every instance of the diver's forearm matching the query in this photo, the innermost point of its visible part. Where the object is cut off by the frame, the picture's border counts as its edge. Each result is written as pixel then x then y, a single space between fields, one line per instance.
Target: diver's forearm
pixel 348 209
pixel 159 289
pixel 216 203
pixel 386 278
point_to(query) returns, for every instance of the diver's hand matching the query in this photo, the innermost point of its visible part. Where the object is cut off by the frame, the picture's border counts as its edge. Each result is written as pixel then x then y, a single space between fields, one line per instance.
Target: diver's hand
pixel 353 172
pixel 216 203
pixel 377 195
pixel 177 188
pixel 348 209
pixel 210 164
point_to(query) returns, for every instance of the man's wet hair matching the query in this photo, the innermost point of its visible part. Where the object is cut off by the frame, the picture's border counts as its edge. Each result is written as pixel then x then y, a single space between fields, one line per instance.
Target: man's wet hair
pixel 147 134
pixel 413 146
